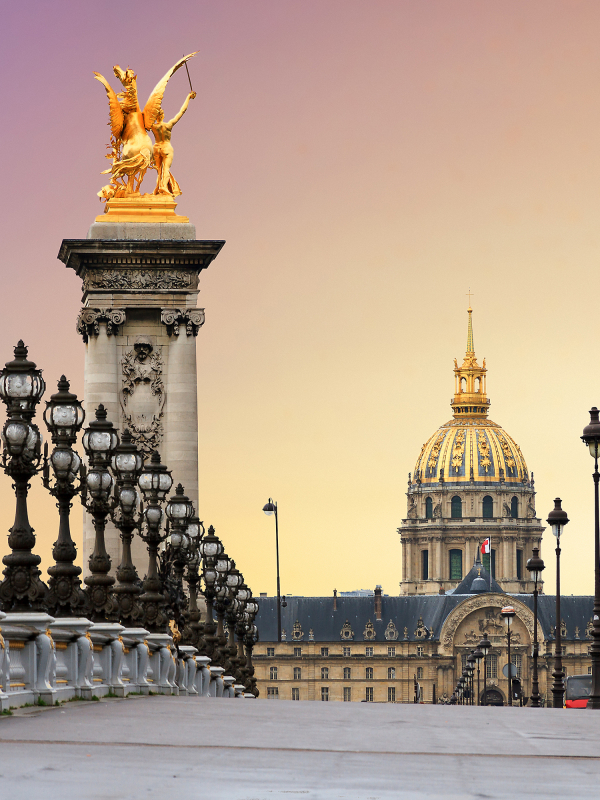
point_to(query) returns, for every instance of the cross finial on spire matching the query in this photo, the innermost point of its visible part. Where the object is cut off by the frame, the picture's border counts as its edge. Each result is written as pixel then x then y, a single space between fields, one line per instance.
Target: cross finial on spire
pixel 469 294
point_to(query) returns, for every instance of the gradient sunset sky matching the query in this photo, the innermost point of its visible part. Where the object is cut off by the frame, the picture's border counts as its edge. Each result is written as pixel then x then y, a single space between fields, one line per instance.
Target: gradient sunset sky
pixel 367 163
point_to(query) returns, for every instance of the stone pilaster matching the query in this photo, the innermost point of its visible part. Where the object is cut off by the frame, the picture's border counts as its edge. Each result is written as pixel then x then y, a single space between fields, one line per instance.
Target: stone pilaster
pixel 139 322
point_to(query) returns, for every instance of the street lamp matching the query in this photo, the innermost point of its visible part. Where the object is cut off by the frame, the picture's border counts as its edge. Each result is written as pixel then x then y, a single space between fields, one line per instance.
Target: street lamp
pixel 155 481
pixel 471 671
pixel 508 613
pixel 99 441
pixel 478 656
pixel 485 646
pixel 127 465
pixel 195 531
pixel 558 518
pixel 210 549
pixel 591 437
pixel 535 565
pixel 21 389
pixel 64 417
pixel 271 508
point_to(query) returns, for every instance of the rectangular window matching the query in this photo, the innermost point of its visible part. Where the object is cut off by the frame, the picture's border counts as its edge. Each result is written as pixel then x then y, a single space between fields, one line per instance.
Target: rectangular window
pixel 369 673
pixel 347 673
pixel 273 673
pixel 324 652
pixel 270 651
pixel 324 692
pixel 419 673
pixel 297 673
pixel 517 660
pixel 297 651
pixel 455 565
pixel 368 651
pixel 295 694
pixel 369 694
pixel 391 694
pixel 272 693
pixel 391 651
pixel 519 565
pixel 424 565
pixel 346 651
pixel 420 650
pixel 347 694
pixel 492 666
pixel 485 559
pixel 589 670
pixel 391 673
pixel 324 673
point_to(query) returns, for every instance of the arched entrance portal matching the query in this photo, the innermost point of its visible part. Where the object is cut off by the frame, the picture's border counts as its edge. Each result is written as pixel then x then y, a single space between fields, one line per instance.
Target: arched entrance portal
pixel 493 697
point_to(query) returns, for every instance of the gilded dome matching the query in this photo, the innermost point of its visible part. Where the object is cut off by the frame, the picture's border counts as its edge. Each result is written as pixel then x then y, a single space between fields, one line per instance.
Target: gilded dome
pixel 470 447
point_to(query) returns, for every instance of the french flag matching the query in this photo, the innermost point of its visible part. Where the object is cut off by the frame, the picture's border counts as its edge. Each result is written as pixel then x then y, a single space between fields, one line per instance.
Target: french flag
pixel 485 547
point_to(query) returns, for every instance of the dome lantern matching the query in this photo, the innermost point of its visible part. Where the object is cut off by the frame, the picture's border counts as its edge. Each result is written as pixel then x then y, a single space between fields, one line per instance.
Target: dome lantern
pixel 470 382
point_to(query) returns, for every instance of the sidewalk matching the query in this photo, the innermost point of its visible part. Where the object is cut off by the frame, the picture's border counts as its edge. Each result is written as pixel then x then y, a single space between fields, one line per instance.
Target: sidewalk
pixel 149 747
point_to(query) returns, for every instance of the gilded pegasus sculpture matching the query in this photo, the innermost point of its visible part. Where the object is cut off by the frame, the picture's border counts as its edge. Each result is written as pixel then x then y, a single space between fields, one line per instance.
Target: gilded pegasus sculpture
pixel 131 150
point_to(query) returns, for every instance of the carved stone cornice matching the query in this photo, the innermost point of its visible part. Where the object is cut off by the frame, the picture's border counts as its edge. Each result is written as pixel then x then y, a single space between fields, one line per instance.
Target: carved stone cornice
pixel 138 265
pixel 89 319
pixel 192 319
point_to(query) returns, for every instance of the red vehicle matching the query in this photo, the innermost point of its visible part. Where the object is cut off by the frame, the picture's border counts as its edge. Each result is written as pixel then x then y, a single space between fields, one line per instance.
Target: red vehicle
pixel 579 688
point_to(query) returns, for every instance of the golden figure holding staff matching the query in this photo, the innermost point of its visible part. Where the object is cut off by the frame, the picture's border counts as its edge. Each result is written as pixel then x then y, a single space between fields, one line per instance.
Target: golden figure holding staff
pixel 163 150
pixel 131 147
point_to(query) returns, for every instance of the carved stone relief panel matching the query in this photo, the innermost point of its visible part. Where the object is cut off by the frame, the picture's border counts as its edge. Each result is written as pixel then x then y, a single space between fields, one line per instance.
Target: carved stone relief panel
pixel 138 279
pixel 143 394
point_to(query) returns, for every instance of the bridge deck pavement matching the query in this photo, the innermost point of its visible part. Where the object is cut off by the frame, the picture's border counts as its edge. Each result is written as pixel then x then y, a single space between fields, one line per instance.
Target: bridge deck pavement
pixel 151 747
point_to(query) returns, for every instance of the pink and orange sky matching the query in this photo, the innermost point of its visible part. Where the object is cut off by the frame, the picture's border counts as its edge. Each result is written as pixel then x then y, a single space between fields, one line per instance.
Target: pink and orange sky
pixel 367 163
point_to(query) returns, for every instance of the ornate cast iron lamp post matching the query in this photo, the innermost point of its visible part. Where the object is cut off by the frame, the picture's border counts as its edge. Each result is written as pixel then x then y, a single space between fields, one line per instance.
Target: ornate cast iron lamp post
pixel 591 437
pixel 179 511
pixel 508 613
pixel 471 669
pixel 271 508
pixel 127 465
pixel 210 550
pixel 64 417
pixel 485 645
pixel 478 656
pixel 535 565
pixel 234 608
pixel 223 566
pixel 99 441
pixel 558 518
pixel 250 639
pixel 193 630
pixel 154 481
pixel 21 389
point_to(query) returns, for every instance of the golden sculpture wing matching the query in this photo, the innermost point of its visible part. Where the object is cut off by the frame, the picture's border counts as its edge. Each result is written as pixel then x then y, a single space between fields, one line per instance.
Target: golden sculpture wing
pixel 116 113
pixel 152 107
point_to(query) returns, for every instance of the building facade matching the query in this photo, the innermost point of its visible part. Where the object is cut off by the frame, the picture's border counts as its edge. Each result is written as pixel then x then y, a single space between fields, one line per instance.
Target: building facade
pixel 470 483
pixel 374 649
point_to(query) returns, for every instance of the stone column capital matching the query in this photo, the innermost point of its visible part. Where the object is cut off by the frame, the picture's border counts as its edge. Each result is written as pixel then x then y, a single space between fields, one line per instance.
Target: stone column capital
pixel 89 319
pixel 192 319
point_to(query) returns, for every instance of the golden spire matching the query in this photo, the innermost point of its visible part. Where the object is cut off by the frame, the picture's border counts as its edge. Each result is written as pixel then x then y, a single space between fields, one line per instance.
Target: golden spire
pixel 470 399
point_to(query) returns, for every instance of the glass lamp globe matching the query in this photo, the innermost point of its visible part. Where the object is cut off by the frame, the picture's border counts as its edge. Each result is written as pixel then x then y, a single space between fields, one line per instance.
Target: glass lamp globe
pixel 21 384
pixel 100 439
pixel 99 483
pixel 179 508
pixel 155 480
pixel 64 415
pixel 65 464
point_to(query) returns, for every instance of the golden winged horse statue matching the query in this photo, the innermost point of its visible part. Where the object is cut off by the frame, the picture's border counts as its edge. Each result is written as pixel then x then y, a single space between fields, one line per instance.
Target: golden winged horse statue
pixel 131 148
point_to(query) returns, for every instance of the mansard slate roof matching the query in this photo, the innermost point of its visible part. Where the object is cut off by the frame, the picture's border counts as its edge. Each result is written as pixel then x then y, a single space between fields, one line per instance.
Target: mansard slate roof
pixel 404 611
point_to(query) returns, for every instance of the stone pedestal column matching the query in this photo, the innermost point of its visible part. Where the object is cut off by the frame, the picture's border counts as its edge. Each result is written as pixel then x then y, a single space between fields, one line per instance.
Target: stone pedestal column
pixel 139 322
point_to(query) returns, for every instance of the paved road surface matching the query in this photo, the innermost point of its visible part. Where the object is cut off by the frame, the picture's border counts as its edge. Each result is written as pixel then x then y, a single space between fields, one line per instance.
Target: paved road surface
pixel 151 747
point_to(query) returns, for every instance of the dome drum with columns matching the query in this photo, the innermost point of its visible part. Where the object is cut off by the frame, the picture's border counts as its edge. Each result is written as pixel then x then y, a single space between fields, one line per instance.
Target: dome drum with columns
pixel 470 483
